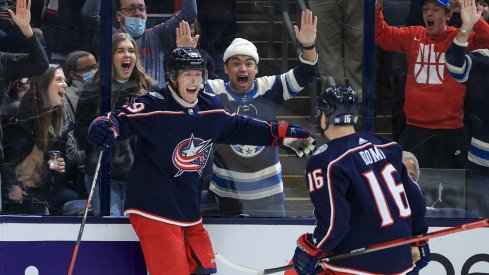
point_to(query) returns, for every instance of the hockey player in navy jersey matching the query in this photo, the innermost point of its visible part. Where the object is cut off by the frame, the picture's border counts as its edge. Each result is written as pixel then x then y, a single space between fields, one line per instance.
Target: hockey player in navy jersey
pixel 362 195
pixel 177 128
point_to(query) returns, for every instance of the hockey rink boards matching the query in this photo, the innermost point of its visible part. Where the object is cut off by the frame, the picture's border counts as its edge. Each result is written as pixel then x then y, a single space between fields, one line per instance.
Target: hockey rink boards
pixel 44 246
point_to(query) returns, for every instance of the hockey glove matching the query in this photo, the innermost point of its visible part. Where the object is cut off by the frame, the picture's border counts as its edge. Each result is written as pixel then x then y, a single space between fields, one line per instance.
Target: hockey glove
pixel 422 259
pixel 293 137
pixel 307 256
pixel 103 132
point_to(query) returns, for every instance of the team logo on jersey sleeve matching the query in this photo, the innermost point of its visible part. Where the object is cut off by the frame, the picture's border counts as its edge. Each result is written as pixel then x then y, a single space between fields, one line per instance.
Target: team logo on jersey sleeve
pixel 320 149
pixel 247 151
pixel 191 155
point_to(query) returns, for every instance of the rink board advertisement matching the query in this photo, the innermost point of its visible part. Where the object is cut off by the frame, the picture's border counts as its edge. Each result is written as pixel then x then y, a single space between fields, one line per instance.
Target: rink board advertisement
pixel 32 246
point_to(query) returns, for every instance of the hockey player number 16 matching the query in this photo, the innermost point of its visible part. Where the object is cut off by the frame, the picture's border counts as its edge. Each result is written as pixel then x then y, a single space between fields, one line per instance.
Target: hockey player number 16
pixel 396 191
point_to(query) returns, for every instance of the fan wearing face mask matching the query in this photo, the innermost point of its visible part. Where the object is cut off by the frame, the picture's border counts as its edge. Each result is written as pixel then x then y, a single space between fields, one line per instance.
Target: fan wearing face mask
pixel 79 69
pixel 153 43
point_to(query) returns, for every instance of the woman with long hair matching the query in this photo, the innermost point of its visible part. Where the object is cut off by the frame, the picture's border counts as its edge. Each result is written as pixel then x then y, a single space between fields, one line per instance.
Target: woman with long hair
pixel 129 81
pixel 33 184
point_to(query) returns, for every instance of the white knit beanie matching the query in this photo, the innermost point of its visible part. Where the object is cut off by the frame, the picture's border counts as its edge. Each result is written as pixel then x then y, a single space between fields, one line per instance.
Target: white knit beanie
pixel 243 47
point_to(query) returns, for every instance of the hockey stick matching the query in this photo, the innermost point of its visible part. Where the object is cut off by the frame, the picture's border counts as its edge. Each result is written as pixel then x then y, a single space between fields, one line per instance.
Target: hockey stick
pixel 84 220
pixel 363 250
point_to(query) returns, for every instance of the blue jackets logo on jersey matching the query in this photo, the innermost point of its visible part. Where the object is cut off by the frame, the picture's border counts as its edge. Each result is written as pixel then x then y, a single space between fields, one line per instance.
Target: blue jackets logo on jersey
pixel 191 155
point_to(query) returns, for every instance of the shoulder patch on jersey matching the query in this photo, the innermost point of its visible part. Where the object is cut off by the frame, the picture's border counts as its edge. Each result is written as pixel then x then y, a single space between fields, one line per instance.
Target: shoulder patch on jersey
pixel 362 141
pixel 321 149
pixel 157 95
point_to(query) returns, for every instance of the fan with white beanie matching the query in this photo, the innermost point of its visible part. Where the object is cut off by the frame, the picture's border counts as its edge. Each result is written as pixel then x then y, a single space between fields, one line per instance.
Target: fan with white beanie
pixel 241 46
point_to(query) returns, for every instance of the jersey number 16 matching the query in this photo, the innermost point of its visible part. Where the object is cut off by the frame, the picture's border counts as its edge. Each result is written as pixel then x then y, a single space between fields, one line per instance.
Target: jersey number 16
pixel 396 191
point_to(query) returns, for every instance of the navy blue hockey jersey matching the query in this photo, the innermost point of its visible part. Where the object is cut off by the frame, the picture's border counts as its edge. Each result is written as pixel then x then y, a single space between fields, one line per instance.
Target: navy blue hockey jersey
pixel 175 141
pixel 362 196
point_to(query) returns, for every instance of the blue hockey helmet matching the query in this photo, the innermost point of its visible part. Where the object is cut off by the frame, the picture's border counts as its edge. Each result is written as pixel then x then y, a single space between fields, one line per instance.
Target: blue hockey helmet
pixel 340 104
pixel 185 59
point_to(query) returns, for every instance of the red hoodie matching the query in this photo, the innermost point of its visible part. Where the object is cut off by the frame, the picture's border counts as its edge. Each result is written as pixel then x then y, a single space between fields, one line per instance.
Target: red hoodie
pixel 433 99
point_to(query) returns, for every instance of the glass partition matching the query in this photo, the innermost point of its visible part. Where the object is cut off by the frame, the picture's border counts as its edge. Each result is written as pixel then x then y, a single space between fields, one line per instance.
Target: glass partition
pixel 41 115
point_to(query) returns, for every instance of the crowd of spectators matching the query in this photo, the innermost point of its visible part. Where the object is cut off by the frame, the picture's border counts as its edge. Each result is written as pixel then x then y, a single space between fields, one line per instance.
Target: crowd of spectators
pixel 66 34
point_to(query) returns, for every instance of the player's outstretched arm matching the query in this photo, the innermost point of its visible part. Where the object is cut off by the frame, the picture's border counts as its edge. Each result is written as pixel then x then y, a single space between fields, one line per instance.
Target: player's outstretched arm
pixel 103 132
pixel 293 137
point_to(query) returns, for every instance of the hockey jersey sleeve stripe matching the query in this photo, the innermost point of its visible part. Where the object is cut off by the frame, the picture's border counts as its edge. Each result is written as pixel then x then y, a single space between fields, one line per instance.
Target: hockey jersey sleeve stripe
pixel 156 113
pixel 460 74
pixel 152 114
pixel 247 185
pixel 247 177
pixel 247 195
pixel 479 152
pixel 458 64
pixel 313 63
pixel 290 86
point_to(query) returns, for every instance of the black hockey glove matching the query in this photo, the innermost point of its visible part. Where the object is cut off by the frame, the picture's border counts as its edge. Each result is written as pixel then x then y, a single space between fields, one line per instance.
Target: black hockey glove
pixel 103 132
pixel 422 259
pixel 292 136
pixel 307 256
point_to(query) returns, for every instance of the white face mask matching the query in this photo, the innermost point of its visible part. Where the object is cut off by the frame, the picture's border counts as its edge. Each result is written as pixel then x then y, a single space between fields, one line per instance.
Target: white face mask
pixel 88 76
pixel 134 26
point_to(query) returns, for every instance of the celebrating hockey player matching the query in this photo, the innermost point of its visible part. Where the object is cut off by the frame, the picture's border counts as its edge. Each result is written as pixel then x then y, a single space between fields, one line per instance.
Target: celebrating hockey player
pixel 177 128
pixel 362 195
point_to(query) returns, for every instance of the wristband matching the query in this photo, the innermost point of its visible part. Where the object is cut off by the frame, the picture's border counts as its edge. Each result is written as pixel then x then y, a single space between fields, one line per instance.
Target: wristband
pixel 308 47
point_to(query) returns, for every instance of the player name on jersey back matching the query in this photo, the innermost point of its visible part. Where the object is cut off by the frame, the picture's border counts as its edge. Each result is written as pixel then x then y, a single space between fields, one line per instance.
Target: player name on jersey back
pixel 372 155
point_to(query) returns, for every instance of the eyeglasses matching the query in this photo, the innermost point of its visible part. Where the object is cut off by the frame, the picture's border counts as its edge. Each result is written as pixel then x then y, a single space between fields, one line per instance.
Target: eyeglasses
pixel 132 10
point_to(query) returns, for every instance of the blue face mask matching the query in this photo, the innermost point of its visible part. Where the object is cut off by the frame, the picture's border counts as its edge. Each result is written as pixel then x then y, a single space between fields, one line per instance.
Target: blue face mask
pixel 134 26
pixel 88 76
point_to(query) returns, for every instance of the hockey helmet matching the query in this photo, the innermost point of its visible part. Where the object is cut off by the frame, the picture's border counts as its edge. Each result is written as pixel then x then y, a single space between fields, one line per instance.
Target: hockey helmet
pixel 340 104
pixel 185 59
